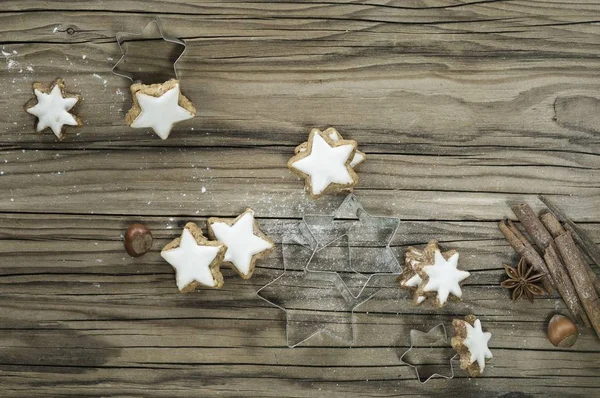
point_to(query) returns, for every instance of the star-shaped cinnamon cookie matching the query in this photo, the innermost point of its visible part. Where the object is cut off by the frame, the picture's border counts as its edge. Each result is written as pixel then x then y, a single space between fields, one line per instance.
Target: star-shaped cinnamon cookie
pixel 431 273
pixel 413 259
pixel 471 343
pixel 359 157
pixel 51 106
pixel 245 242
pixel 325 164
pixel 159 106
pixel 195 259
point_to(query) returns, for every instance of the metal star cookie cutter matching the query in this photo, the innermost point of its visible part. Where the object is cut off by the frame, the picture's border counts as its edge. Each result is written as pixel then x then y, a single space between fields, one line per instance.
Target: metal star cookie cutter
pixel 426 355
pixel 123 38
pixel 353 244
pixel 314 303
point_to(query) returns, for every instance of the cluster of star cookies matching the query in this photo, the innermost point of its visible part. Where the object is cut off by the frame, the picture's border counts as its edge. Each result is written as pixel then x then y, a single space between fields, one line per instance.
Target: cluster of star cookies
pixel 431 273
pixel 471 344
pixel 327 162
pixel 156 106
pixel 197 260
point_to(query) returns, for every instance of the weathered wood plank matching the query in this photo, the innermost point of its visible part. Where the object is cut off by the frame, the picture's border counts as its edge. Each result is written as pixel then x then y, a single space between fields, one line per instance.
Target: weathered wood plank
pixel 169 382
pixel 380 81
pixel 386 118
pixel 196 343
pixel 108 289
pixel 199 181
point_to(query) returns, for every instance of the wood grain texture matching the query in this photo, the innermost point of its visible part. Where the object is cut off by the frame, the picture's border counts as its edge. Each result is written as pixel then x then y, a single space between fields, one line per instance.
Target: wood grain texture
pixel 463 107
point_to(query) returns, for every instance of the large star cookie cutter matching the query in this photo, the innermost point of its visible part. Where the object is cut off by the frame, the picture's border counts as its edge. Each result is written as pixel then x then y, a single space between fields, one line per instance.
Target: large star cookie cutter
pixel 430 354
pixel 314 303
pixel 145 66
pixel 353 244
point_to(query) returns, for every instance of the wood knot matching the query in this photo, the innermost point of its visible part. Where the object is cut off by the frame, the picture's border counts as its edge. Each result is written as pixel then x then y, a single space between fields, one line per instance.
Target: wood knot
pixel 578 113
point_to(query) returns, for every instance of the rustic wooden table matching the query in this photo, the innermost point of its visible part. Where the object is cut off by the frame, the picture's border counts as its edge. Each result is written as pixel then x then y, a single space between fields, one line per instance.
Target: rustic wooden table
pixel 463 107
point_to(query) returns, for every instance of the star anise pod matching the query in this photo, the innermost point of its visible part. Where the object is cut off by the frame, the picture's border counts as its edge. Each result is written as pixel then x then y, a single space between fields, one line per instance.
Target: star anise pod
pixel 523 280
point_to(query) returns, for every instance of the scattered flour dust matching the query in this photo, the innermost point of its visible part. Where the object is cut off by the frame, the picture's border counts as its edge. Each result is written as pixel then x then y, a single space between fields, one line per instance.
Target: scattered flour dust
pixel 104 81
pixel 13 65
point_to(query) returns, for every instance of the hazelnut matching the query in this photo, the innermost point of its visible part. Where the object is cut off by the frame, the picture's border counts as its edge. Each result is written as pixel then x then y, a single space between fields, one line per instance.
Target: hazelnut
pixel 138 240
pixel 562 332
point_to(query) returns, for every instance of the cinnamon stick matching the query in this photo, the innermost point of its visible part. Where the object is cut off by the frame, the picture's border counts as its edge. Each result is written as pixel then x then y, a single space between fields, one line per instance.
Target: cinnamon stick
pixel 527 252
pixel 519 234
pixel 585 243
pixel 555 228
pixel 549 277
pixel 585 290
pixel 565 287
pixel 551 223
pixel 533 225
pixel 583 240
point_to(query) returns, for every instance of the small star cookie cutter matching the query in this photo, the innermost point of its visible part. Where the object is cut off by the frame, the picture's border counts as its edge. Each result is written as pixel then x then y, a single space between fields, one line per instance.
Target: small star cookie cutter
pixel 426 354
pixel 353 244
pixel 151 31
pixel 314 303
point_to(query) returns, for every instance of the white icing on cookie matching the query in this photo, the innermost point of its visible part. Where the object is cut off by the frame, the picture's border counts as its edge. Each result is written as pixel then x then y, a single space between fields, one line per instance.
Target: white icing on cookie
pixel 477 343
pixel 444 277
pixel 325 165
pixel 191 261
pixel 358 158
pixel 414 281
pixel 160 113
pixel 242 244
pixel 52 110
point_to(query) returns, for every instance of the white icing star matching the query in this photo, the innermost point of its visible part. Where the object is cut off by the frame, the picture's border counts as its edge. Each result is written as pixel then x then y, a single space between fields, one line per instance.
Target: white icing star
pixel 191 261
pixel 52 110
pixel 477 343
pixel 241 242
pixel 444 277
pixel 160 113
pixel 358 158
pixel 325 165
pixel 414 281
